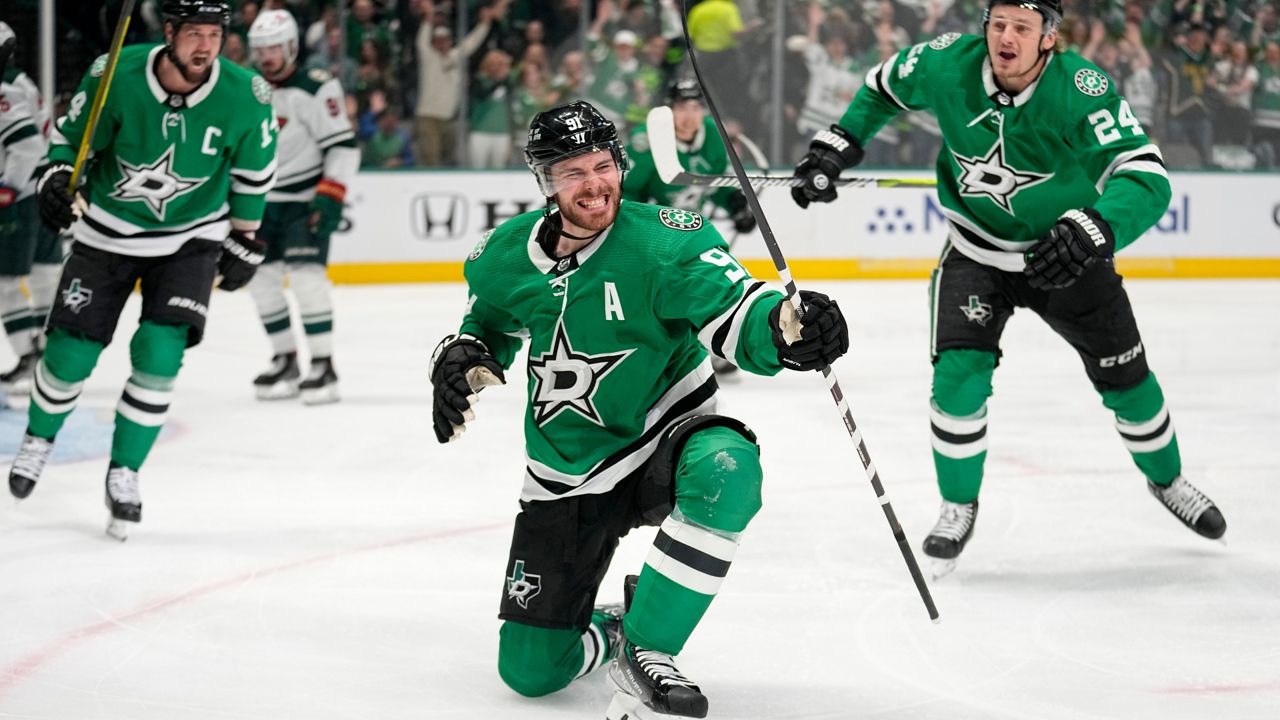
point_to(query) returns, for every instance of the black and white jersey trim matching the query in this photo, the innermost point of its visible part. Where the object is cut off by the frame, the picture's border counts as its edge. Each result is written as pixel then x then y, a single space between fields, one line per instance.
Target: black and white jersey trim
pixel 692 394
pixel 1146 159
pixel 878 80
pixel 721 334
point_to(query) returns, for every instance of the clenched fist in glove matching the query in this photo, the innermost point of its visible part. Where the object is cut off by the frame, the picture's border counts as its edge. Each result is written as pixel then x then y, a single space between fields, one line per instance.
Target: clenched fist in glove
pixel 57 208
pixel 830 152
pixel 461 367
pixel 242 253
pixel 740 213
pixel 1076 241
pixel 816 340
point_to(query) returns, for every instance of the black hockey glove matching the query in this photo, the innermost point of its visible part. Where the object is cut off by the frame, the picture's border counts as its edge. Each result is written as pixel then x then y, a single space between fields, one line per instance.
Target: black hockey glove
pixel 461 367
pixel 830 151
pixel 57 208
pixel 1076 241
pixel 811 343
pixel 740 213
pixel 242 253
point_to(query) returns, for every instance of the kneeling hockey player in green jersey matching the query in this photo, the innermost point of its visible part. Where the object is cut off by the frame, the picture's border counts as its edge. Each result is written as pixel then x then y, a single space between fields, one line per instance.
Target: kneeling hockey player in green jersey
pixel 1043 175
pixel 184 154
pixel 620 302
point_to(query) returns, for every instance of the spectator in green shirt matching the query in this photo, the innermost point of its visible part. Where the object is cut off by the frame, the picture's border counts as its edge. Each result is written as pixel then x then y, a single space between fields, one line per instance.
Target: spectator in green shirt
pixel 389 146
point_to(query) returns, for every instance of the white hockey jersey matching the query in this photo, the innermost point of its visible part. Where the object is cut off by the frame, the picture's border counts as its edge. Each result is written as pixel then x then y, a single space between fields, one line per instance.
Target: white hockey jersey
pixel 316 138
pixel 24 124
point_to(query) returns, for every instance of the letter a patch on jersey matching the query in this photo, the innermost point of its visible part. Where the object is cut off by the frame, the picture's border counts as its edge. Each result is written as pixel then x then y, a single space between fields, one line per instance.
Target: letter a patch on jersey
pixel 568 380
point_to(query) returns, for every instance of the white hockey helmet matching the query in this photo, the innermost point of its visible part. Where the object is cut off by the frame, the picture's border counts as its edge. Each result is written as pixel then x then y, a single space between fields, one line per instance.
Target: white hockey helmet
pixel 274 27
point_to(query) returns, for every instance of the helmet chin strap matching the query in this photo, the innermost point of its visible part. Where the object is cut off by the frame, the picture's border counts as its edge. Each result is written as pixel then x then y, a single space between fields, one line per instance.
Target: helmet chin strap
pixel 553 230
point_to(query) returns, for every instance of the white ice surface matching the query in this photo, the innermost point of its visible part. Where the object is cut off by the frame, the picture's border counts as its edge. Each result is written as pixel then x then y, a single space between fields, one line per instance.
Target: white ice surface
pixel 335 562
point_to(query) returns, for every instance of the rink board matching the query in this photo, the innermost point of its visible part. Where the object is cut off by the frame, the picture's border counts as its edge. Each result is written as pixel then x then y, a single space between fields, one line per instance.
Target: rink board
pixel 419 226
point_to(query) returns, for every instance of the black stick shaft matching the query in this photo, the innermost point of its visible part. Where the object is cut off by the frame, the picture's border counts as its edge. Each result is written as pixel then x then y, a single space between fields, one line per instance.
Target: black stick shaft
pixel 784 272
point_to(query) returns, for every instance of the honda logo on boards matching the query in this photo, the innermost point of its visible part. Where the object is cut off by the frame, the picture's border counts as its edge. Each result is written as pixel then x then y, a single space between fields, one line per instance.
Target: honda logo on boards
pixel 438 217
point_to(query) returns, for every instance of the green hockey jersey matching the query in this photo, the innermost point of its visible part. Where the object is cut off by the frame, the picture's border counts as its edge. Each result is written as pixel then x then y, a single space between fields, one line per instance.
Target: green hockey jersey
pixel 1011 165
pixel 618 336
pixel 704 155
pixel 166 169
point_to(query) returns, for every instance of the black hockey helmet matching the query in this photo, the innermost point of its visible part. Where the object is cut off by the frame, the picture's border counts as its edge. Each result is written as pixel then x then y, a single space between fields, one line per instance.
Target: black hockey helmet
pixel 1050 10
pixel 204 12
pixel 565 132
pixel 684 89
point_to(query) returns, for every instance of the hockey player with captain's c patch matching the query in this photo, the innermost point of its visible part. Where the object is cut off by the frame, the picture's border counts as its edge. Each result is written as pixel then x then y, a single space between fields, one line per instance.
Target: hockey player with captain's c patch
pixel 621 304
pixel 182 158
pixel 1044 174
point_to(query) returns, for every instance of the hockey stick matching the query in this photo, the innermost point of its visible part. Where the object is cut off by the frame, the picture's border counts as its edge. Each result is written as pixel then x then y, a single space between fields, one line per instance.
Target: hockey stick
pixel 793 297
pixel 100 96
pixel 662 142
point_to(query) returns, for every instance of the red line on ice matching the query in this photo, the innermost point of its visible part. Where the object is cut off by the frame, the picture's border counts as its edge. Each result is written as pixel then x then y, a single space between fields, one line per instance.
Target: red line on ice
pixel 23 669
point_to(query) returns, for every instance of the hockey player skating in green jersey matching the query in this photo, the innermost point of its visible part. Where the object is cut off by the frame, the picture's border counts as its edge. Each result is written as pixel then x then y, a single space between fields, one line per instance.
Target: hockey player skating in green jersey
pixel 184 153
pixel 701 150
pixel 620 303
pixel 318 159
pixel 1043 175
pixel 26 248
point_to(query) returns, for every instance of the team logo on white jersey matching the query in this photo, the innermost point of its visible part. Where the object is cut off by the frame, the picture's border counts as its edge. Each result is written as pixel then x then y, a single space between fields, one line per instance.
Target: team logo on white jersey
pixel 155 184
pixel 991 177
pixel 568 380
pixel 1091 82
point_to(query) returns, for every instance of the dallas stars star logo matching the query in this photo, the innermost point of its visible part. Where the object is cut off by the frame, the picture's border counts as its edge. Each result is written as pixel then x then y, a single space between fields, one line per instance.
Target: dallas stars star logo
pixel 568 380
pixel 154 184
pixel 991 177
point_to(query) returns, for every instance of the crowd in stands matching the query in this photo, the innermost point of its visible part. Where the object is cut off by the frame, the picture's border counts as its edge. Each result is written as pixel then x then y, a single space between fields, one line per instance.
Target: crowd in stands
pixel 448 83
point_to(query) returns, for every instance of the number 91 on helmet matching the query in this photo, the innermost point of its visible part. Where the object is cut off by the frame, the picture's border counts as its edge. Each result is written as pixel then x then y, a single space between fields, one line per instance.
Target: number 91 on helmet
pixel 566 132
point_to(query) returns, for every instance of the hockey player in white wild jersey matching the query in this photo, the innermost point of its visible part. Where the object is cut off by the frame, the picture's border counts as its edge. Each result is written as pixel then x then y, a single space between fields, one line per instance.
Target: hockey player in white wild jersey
pixel 26 248
pixel 318 157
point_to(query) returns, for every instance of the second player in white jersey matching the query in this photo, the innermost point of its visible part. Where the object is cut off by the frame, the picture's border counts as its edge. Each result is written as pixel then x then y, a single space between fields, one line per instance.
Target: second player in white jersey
pixel 318 158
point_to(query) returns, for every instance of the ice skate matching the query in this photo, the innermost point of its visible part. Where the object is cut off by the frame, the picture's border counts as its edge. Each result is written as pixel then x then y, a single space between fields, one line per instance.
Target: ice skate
pixel 1191 506
pixel 28 465
pixel 949 535
pixel 16 384
pixel 321 385
pixel 281 380
pixel 123 500
pixel 650 687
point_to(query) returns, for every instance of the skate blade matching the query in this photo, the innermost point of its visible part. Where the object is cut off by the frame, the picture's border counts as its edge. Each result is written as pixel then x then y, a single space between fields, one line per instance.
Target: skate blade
pixel 941 568
pixel 321 396
pixel 626 706
pixel 119 529
pixel 278 391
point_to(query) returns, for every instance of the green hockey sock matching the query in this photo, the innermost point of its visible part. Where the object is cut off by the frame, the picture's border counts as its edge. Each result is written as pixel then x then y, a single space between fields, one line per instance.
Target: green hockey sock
pixel 958 421
pixel 537 661
pixel 1146 429
pixel 156 351
pixel 68 360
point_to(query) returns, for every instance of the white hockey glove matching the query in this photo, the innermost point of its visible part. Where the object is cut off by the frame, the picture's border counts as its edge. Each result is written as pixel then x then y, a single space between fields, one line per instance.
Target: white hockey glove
pixel 461 367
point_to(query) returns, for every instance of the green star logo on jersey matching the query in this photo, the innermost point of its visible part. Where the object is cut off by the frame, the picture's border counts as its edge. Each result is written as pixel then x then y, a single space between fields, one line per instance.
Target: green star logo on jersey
pixel 567 380
pixel 680 219
pixel 154 184
pixel 991 177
